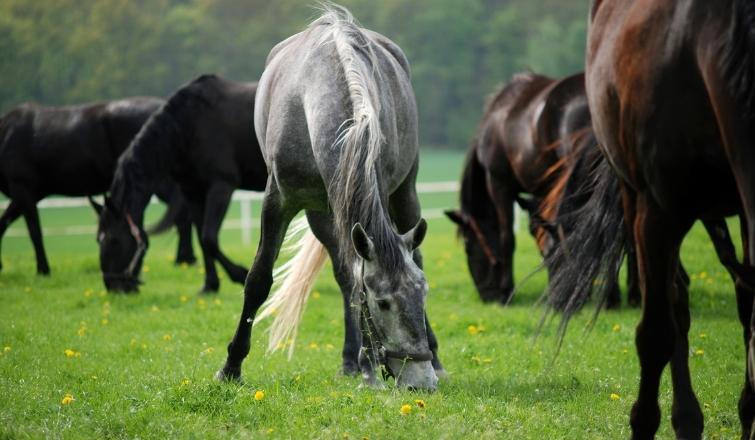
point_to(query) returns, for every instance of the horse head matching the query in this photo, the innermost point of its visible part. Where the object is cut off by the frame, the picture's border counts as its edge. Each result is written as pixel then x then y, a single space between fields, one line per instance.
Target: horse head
pixel 123 244
pixel 391 303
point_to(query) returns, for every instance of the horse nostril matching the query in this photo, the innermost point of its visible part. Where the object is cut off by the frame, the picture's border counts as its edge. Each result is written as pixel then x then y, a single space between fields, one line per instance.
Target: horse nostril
pixel 384 304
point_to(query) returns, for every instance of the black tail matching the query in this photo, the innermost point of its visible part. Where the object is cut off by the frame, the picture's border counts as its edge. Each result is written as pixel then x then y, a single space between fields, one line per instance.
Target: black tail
pixel 176 208
pixel 738 60
pixel 593 251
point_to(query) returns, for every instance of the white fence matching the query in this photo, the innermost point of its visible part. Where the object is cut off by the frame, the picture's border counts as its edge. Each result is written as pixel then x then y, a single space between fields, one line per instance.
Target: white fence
pixel 245 222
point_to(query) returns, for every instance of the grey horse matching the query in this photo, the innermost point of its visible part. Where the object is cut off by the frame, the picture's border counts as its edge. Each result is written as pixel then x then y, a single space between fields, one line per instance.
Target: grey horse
pixel 337 123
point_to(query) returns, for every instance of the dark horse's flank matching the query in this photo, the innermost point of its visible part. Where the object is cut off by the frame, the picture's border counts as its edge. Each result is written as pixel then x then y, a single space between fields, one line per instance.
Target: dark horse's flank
pixel 203 138
pixel 71 151
pixel 514 152
pixel 672 89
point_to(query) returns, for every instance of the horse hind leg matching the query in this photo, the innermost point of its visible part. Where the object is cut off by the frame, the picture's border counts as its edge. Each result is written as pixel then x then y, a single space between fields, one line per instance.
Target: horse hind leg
pixel 275 220
pixel 661 334
pixel 31 215
pixel 322 226
pixel 12 212
pixel 216 205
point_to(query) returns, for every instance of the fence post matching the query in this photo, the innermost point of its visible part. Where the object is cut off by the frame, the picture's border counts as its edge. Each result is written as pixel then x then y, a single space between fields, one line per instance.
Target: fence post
pixel 246 220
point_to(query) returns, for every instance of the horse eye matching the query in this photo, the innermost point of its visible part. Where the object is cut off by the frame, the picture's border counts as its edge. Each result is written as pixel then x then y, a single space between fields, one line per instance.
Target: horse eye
pixel 384 304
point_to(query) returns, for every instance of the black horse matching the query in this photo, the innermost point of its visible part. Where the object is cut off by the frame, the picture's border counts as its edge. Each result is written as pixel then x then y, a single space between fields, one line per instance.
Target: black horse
pixel 204 139
pixel 72 151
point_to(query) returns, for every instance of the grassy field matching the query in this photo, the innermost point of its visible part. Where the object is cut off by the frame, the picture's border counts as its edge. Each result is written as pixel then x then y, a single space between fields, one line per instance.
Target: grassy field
pixel 142 365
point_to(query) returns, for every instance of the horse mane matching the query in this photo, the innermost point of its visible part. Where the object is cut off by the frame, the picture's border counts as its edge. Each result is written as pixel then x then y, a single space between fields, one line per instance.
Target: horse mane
pixel 355 190
pixel 738 59
pixel 558 176
pixel 152 152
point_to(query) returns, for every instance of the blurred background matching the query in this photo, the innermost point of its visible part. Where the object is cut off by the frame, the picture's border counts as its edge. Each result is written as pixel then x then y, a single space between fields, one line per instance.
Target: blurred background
pixel 72 51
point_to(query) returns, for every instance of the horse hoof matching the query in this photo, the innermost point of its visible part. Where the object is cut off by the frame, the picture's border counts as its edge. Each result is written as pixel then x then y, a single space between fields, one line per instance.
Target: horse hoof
pixel 45 271
pixel 350 370
pixel 208 291
pixel 226 375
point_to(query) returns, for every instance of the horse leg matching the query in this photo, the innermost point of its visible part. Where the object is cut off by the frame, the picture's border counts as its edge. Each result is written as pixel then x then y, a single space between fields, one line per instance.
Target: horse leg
pixel 323 227
pixel 657 241
pixel 196 211
pixel 185 252
pixel 12 212
pixel 405 212
pixel 686 415
pixel 216 205
pixel 503 199
pixel 634 298
pixel 275 220
pixel 31 215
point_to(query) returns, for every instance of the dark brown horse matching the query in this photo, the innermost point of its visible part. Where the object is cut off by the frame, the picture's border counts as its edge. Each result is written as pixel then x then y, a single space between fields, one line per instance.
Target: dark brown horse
pixel 512 154
pixel 672 89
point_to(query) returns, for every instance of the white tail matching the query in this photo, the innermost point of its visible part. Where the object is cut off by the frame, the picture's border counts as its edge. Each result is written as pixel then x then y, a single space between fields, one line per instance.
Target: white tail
pixel 293 283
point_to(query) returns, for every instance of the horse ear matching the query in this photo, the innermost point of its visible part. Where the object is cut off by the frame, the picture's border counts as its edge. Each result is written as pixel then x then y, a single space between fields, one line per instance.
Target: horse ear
pixel 416 235
pixel 455 216
pixel 362 243
pixel 97 207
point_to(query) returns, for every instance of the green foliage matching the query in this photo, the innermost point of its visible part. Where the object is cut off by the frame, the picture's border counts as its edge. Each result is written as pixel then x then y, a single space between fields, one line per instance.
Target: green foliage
pixel 65 51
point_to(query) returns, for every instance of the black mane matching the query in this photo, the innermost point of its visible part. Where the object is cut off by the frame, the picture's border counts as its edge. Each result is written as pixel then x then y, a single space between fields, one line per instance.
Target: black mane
pixel 156 147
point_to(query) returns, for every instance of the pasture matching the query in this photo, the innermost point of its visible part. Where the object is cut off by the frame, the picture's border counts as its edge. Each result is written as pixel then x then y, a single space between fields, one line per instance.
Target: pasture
pixel 142 365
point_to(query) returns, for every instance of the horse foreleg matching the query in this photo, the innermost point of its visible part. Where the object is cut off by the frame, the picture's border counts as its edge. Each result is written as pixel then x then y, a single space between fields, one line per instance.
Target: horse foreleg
pixel 658 337
pixel 503 199
pixel 12 212
pixel 275 220
pixel 196 211
pixel 185 251
pixel 216 205
pixel 745 300
pixel 323 227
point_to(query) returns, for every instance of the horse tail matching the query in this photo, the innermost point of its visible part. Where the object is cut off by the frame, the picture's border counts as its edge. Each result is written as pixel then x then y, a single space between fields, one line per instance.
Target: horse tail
pixel 294 281
pixel 593 251
pixel 738 60
pixel 355 191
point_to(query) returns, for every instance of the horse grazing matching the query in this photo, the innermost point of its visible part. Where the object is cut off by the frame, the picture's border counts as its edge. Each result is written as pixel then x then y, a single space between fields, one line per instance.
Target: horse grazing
pixel 518 149
pixel 72 151
pixel 202 138
pixel 671 86
pixel 337 123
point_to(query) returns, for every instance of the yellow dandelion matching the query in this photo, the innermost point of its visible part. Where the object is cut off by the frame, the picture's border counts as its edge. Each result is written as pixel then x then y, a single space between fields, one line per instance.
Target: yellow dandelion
pixel 217 302
pixel 94 377
pixel 270 430
pixel 313 345
pixel 699 352
pixel 207 350
pixel 88 292
pixel 315 295
pixel 69 353
pixel 6 349
pixel 703 274
pixel 146 268
pixel 405 409
pixel 155 308
pixel 420 404
pixel 615 396
pixel 432 285
pixel 67 399
pixel 703 336
pixel 167 337
pixel 259 395
pixel 329 346
pixel 185 382
pixel 27 289
pixel 616 327
pixel 473 330
pixel 184 298
pixel 104 321
pixel 82 331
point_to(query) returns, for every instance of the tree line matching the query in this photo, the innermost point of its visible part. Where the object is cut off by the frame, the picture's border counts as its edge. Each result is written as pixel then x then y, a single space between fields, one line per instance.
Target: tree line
pixel 72 51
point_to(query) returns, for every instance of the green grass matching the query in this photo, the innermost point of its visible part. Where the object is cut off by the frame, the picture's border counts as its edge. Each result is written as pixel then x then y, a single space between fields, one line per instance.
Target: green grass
pixel 147 371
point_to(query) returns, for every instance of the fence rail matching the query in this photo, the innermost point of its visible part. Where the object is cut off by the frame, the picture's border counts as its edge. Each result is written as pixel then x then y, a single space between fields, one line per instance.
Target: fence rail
pixel 245 222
